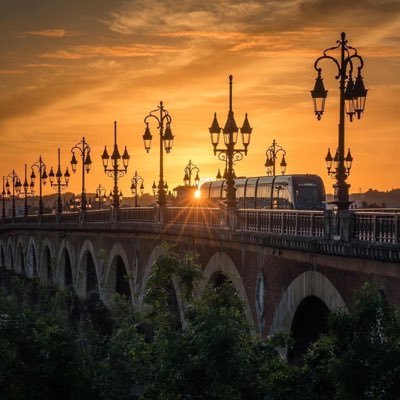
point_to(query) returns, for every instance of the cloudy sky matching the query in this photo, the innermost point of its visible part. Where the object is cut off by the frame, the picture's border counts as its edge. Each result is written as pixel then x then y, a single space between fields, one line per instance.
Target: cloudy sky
pixel 70 68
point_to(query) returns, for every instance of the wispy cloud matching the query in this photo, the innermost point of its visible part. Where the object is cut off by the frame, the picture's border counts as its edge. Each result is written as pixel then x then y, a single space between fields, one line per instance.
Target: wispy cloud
pixel 49 33
pixel 40 65
pixel 11 71
pixel 88 51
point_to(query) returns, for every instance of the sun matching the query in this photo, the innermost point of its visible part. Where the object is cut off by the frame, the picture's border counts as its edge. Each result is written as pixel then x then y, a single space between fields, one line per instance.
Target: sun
pixel 197 194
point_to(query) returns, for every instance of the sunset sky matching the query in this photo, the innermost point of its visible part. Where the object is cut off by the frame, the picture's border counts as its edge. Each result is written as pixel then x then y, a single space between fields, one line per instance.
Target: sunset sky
pixel 70 68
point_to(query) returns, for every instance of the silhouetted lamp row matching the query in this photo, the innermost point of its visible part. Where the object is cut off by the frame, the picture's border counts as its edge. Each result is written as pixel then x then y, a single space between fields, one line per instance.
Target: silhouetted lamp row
pixel 352 103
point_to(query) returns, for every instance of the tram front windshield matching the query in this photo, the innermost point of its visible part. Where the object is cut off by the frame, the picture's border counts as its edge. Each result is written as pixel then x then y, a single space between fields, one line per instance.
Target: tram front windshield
pixel 309 194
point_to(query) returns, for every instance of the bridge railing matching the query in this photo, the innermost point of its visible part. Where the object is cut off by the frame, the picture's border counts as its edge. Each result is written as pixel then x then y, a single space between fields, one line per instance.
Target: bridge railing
pixel 377 227
pixel 48 219
pixel 142 214
pixel 282 222
pixel 199 216
pixel 97 215
pixel 70 217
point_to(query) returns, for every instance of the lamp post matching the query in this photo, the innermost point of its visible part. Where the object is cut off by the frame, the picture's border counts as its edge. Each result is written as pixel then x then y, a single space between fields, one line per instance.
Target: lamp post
pixel 272 155
pixel 16 188
pixel 164 119
pixel 26 194
pixel 229 154
pixel 4 198
pixel 352 102
pixel 41 168
pixel 187 178
pixel 58 185
pixel 135 181
pixel 115 171
pixel 100 196
pixel 83 149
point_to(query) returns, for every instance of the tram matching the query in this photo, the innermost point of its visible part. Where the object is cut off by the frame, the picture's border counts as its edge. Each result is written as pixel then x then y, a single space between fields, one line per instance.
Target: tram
pixel 298 192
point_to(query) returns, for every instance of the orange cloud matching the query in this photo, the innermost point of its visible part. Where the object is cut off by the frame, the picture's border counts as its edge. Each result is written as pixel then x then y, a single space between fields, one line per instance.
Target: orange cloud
pixel 51 33
pixel 84 51
pixel 41 65
pixel 11 71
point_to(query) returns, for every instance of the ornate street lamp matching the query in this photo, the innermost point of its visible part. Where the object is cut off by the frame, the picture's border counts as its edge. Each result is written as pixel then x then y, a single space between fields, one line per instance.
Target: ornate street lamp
pixel 100 196
pixel 189 170
pixel 83 149
pixel 137 183
pixel 272 155
pixel 16 188
pixel 115 171
pixel 27 193
pixel 164 120
pixel 230 155
pixel 41 168
pixel 4 198
pixel 154 188
pixel 352 102
pixel 58 185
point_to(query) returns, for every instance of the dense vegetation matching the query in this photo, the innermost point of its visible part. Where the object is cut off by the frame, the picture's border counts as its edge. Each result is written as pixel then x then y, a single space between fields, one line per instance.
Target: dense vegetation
pixel 183 346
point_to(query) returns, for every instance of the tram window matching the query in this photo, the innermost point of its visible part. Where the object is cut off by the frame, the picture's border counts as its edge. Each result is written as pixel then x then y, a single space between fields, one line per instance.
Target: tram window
pixel 309 196
pixel 264 196
pixel 240 196
pixel 215 191
pixel 250 195
pixel 281 197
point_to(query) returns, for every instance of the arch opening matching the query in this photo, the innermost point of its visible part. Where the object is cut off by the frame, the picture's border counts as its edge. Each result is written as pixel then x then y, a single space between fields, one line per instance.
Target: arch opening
pixel 20 262
pixel 122 280
pixel 118 279
pixel 46 266
pixel 218 279
pixel 309 322
pixel 91 286
pixel 67 273
pixel 9 257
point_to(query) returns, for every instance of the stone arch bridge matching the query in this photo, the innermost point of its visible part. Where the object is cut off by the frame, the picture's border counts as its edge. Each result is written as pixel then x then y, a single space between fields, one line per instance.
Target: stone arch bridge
pixel 289 267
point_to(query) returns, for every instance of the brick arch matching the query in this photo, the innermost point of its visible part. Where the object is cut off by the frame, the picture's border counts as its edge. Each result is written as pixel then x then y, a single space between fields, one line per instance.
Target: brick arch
pixel 156 252
pixel 309 283
pixel 65 246
pixel 46 266
pixel 81 276
pixel 112 282
pixel 9 254
pixel 176 295
pixel 221 263
pixel 20 260
pixel 31 258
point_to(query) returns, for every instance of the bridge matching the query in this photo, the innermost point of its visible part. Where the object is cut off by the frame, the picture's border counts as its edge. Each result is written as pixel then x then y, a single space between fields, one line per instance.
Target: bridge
pixel 289 266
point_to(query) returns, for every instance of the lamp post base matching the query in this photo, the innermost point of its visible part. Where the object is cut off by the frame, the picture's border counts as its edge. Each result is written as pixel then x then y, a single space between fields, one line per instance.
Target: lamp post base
pixel 341 205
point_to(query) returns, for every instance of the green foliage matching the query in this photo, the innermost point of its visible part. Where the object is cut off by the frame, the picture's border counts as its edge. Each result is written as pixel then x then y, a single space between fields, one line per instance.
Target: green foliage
pixel 217 356
pixel 38 351
pixel 359 358
pixel 168 271
pixel 53 346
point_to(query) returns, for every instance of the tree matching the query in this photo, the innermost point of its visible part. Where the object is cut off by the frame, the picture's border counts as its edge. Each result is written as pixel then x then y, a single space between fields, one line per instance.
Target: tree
pixel 359 357
pixel 217 355
pixel 39 356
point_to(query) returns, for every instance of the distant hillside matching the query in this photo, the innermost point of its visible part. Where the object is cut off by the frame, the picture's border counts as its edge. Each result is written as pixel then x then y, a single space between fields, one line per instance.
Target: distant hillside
pixel 374 198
